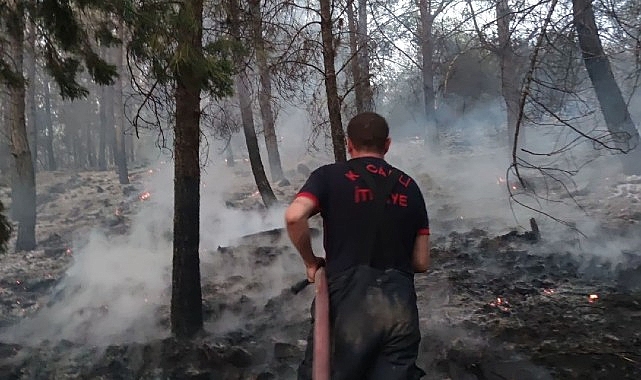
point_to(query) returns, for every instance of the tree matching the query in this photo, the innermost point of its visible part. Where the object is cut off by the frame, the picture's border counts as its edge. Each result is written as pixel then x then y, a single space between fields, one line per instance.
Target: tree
pixel 509 61
pixel 66 46
pixel 5 230
pixel 167 47
pixel 331 86
pixel 186 296
pixel 359 56
pixel 265 92
pixel 120 151
pixel 23 185
pixel 246 113
pixel 625 135
pixel 49 135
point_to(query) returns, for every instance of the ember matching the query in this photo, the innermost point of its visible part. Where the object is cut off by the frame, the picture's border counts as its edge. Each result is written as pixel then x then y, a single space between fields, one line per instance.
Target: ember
pixel 592 298
pixel 501 304
pixel 144 196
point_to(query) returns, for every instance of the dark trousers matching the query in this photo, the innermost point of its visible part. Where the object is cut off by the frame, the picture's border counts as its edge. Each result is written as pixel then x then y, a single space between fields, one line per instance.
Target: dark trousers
pixel 374 322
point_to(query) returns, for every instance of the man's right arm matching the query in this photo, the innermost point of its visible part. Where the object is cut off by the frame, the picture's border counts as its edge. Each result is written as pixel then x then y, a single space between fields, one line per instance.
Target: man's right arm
pixel 421 254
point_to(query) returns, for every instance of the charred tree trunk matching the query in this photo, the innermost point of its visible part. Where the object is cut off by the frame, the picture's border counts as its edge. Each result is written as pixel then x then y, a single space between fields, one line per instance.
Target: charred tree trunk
pixel 331 87
pixel 427 71
pixel 51 159
pixel 363 57
pixel 615 111
pixel 102 132
pixel 246 114
pixel 186 295
pixel 31 90
pixel 23 186
pixel 510 78
pixel 265 94
pixel 120 149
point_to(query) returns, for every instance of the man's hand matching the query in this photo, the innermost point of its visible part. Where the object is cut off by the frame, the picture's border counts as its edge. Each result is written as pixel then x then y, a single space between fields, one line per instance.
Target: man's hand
pixel 313 267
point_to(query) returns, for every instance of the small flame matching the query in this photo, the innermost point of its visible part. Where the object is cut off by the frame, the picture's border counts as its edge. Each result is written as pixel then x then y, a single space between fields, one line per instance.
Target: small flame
pixel 255 193
pixel 68 252
pixel 501 304
pixel 144 196
pixel 549 292
pixel 150 171
pixel 592 298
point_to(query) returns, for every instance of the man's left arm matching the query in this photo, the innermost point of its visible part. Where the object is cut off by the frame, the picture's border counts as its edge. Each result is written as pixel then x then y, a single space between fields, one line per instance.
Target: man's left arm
pixel 296 218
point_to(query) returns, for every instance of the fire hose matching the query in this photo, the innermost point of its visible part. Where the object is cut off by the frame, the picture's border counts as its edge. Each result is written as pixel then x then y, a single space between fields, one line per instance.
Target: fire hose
pixel 321 359
pixel 320 365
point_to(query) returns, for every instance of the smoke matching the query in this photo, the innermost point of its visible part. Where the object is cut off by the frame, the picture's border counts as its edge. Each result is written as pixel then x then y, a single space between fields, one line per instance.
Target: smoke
pixel 118 287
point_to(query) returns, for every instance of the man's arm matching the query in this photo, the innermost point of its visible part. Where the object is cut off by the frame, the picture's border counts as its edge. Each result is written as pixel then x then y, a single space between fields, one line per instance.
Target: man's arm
pixel 421 254
pixel 296 217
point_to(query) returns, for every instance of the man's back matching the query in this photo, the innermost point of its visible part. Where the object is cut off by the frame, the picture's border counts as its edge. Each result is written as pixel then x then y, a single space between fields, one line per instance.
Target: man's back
pixel 346 203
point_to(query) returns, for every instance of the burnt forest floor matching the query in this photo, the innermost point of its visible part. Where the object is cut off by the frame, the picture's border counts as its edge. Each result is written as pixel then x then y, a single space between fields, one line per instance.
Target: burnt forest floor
pixel 492 306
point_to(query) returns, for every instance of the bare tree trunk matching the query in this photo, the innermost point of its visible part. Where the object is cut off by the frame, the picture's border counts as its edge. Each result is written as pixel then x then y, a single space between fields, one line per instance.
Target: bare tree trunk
pixel 91 152
pixel 510 78
pixel 186 295
pixel 363 57
pixel 615 111
pixel 131 149
pixel 32 127
pixel 359 97
pixel 246 114
pixel 265 94
pixel 51 160
pixel 23 189
pixel 229 155
pixel 111 121
pixel 120 149
pixel 102 132
pixel 427 71
pixel 331 87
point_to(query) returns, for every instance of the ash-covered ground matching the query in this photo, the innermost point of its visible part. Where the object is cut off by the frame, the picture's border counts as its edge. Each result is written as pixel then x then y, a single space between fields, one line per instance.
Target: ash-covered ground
pixel 500 301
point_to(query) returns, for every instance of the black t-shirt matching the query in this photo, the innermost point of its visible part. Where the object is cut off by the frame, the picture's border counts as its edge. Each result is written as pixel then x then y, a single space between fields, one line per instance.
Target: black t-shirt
pixel 344 201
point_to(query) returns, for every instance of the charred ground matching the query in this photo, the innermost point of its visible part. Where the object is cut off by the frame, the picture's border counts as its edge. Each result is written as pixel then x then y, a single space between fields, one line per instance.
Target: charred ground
pixel 493 306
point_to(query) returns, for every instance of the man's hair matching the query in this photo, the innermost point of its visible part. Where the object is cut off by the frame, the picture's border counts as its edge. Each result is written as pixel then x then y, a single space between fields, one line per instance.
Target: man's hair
pixel 368 131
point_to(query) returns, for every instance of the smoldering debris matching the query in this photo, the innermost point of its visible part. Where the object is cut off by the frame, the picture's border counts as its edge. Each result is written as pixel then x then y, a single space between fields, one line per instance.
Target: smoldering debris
pixel 498 302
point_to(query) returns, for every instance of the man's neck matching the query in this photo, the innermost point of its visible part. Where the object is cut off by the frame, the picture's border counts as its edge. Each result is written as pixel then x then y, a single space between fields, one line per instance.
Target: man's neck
pixel 356 154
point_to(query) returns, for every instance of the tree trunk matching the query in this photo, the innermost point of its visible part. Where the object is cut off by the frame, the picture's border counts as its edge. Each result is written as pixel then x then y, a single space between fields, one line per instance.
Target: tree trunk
pixel 51 160
pixel 23 189
pixel 615 111
pixel 90 149
pixel 111 121
pixel 31 77
pixel 242 90
pixel 186 295
pixel 120 150
pixel 331 88
pixel 102 133
pixel 510 79
pixel 246 114
pixel 363 57
pixel 427 71
pixel 265 94
pixel 359 97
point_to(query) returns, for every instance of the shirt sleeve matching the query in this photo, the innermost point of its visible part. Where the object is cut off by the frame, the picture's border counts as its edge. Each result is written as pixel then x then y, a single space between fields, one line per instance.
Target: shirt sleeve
pixel 315 188
pixel 423 219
